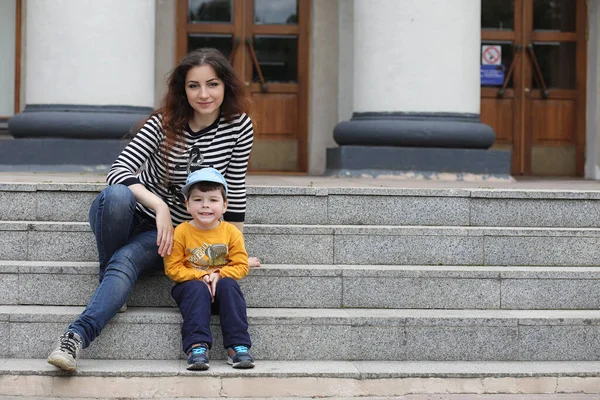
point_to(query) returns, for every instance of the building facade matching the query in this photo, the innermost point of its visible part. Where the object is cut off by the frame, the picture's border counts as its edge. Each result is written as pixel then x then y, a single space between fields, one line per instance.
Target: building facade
pixel 423 86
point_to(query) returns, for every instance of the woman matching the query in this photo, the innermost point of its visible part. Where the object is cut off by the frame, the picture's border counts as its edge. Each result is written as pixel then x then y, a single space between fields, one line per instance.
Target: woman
pixel 203 121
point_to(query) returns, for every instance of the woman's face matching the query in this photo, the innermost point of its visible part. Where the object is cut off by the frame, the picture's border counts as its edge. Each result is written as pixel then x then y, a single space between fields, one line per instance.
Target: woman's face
pixel 205 91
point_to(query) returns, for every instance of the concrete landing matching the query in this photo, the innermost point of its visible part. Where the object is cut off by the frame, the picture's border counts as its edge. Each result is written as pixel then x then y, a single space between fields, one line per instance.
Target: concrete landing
pixel 270 379
pixel 323 181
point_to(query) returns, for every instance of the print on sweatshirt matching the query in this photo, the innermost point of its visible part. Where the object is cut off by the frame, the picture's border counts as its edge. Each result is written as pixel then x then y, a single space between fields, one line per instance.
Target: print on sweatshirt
pixel 208 255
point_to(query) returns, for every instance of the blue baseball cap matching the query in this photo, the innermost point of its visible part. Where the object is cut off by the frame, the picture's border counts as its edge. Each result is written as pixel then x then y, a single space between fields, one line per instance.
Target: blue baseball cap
pixel 203 175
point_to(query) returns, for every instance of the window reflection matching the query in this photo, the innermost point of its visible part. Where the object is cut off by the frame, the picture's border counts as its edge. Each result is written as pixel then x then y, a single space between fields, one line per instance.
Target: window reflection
pixel 554 15
pixel 557 62
pixel 497 14
pixel 223 43
pixel 210 10
pixel 277 57
pixel 276 12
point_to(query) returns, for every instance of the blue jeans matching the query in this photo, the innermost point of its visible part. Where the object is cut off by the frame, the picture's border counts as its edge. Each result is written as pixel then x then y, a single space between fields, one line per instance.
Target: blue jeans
pixel 126 249
pixel 193 299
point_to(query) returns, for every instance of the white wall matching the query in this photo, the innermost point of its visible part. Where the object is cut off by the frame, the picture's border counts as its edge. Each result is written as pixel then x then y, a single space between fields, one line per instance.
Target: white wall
pixel 323 108
pixel 592 163
pixel 164 46
pixel 346 60
pixel 90 52
pixel 8 11
pixel 417 55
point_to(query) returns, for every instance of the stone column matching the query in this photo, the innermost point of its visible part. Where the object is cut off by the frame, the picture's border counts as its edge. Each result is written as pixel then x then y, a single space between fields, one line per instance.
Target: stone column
pixel 592 161
pixel 416 93
pixel 89 68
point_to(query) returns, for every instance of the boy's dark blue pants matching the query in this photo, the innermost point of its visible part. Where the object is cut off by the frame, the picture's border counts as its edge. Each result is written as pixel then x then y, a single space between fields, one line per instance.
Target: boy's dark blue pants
pixel 193 299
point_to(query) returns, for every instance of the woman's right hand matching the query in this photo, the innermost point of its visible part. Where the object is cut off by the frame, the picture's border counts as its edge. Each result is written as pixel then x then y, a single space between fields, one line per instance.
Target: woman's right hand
pixel 164 225
pixel 164 230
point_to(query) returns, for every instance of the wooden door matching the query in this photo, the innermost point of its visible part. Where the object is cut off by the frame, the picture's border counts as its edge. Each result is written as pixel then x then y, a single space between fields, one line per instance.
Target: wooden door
pixel 539 110
pixel 267 41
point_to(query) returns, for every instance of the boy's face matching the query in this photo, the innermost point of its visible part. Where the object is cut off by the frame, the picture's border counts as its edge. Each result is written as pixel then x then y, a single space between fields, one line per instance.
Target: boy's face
pixel 206 207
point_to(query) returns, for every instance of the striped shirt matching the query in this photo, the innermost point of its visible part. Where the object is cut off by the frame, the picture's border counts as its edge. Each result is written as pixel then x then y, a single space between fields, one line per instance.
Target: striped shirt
pixel 223 145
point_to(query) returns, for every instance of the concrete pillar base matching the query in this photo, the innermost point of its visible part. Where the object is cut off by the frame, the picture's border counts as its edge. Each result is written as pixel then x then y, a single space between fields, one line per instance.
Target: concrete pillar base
pixel 403 129
pixel 76 121
pixel 427 163
pixel 59 155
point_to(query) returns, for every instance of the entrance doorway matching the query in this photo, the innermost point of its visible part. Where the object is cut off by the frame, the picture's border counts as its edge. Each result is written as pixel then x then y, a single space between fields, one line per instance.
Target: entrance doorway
pixel 267 42
pixel 537 109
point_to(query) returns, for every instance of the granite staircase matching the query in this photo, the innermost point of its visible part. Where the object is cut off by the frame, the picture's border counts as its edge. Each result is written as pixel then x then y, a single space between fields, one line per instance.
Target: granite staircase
pixel 364 292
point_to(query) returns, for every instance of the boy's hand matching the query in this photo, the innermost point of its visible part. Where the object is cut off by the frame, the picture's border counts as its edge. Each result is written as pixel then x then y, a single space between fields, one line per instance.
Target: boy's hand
pixel 214 277
pixel 254 262
pixel 206 280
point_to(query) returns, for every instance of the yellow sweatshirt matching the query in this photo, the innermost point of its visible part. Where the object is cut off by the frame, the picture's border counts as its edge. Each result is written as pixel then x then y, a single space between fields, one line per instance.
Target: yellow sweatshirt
pixel 198 252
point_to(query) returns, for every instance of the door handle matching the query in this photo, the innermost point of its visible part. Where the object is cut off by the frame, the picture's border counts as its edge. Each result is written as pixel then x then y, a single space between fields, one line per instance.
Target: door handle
pixel 527 90
pixel 263 84
pixel 502 90
pixel 539 77
pixel 236 44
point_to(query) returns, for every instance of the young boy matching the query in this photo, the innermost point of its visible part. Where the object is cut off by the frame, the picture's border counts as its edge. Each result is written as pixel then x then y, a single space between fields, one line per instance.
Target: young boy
pixel 208 257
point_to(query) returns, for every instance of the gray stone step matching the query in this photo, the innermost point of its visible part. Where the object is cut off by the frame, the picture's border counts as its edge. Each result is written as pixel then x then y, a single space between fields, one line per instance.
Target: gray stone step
pixel 326 334
pixel 343 244
pixel 168 379
pixel 343 206
pixel 330 286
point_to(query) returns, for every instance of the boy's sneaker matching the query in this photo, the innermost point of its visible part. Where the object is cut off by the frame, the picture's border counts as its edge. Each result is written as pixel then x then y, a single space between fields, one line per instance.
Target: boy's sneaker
pixel 66 353
pixel 238 357
pixel 198 358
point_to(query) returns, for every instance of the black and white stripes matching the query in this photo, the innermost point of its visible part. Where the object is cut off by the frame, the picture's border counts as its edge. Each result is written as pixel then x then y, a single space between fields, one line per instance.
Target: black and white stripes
pixel 224 145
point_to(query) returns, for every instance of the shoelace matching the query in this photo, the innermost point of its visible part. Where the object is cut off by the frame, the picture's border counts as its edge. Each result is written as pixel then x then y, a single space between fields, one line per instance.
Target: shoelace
pixel 199 350
pixel 240 349
pixel 69 343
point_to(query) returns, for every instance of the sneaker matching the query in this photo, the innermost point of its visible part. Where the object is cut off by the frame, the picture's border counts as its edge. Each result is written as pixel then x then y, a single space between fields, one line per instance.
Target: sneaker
pixel 123 308
pixel 66 353
pixel 198 358
pixel 238 357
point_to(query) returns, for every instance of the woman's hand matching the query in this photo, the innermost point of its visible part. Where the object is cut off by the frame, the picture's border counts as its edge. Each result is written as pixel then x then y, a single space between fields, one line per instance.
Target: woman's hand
pixel 164 230
pixel 164 225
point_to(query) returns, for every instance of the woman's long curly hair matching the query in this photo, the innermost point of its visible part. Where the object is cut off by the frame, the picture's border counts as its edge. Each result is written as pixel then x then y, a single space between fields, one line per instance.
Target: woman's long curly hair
pixel 175 109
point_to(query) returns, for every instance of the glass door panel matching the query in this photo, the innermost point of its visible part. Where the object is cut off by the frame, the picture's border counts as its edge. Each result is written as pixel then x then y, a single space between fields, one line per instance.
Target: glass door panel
pixel 554 15
pixel 276 12
pixel 221 42
pixel 497 14
pixel 210 11
pixel 557 64
pixel 277 57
